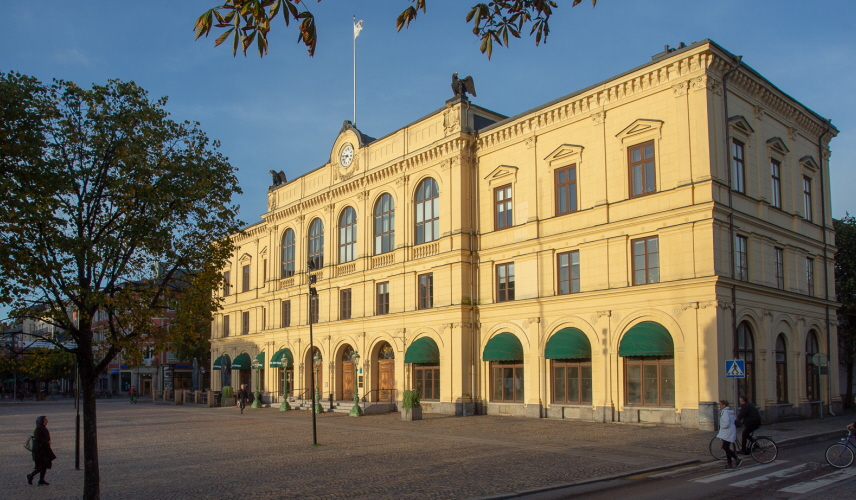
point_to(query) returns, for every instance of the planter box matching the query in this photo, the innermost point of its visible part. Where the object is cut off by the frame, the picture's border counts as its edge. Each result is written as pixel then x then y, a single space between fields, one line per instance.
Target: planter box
pixel 413 414
pixel 227 402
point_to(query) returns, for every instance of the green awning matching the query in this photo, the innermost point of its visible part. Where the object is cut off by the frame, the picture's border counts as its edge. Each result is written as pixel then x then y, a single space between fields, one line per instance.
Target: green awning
pixel 242 362
pixel 568 343
pixel 424 350
pixel 282 359
pixel 259 361
pixel 503 347
pixel 218 363
pixel 647 339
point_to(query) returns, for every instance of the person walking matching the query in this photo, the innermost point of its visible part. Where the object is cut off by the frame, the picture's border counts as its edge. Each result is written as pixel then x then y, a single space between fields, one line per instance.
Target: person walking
pixel 750 418
pixel 243 396
pixel 728 433
pixel 43 455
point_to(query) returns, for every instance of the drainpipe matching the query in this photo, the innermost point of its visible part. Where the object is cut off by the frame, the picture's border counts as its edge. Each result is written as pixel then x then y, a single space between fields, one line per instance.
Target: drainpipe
pixel 731 206
pixel 825 263
pixel 473 265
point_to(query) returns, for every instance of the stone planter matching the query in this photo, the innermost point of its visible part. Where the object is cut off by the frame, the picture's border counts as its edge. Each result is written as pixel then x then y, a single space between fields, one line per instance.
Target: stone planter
pixel 412 414
pixel 228 402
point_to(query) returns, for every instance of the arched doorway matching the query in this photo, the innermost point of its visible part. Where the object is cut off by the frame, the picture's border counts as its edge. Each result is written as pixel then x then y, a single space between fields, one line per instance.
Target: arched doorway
pixel 385 372
pixel 346 389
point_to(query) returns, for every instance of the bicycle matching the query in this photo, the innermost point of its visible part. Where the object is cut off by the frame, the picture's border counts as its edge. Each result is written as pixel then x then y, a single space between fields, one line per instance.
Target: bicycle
pixel 762 449
pixel 842 453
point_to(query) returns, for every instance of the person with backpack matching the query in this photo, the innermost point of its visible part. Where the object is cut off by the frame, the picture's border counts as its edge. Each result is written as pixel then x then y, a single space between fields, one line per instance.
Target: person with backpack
pixel 728 434
pixel 43 455
pixel 749 417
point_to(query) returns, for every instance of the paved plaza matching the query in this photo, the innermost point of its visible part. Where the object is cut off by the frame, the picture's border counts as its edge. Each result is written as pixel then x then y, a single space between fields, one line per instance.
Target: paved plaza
pixel 152 451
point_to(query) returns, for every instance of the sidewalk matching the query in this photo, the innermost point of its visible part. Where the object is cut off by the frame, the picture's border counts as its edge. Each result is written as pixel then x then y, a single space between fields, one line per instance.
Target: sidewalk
pixel 154 451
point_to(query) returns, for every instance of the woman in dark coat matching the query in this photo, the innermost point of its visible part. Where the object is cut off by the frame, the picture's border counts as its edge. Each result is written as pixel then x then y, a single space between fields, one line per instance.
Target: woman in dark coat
pixel 43 455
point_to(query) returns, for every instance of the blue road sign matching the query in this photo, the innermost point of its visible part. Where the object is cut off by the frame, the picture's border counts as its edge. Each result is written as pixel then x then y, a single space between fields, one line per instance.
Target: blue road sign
pixel 735 368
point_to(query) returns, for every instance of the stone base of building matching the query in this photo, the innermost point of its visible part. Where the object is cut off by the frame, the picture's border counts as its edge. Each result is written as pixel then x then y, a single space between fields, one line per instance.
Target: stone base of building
pixel 666 416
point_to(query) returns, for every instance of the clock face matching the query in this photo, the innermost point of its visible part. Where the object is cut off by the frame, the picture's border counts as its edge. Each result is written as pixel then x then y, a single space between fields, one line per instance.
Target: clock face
pixel 347 155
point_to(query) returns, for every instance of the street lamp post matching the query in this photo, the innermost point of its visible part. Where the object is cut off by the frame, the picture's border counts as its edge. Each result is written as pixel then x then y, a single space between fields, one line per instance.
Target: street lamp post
pixel 317 363
pixel 310 265
pixel 356 411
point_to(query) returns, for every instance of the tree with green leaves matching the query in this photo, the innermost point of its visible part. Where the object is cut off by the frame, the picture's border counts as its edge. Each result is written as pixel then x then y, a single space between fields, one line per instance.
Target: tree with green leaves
pixel 248 21
pixel 110 208
pixel 845 294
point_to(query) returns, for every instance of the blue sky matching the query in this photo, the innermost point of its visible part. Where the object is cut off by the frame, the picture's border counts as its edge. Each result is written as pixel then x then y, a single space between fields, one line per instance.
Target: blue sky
pixel 284 111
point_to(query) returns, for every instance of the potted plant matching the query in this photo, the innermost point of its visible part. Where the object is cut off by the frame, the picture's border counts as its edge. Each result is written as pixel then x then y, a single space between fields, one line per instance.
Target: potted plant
pixel 227 398
pixel 411 408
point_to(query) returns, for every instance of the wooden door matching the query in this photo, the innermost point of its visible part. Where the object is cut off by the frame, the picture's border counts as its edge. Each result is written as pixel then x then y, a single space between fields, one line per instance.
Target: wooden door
pixel 348 380
pixel 386 379
pixel 147 387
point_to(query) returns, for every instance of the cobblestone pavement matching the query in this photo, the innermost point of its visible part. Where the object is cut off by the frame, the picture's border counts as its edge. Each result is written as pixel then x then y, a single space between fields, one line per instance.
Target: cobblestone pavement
pixel 162 452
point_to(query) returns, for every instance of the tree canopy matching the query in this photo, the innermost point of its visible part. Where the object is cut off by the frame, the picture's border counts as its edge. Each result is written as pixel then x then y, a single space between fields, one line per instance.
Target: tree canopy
pixel 111 209
pixel 845 294
pixel 248 21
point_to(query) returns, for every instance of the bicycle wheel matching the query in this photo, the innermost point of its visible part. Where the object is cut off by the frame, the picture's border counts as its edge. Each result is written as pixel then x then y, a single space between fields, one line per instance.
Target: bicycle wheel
pixel 839 455
pixel 716 450
pixel 764 450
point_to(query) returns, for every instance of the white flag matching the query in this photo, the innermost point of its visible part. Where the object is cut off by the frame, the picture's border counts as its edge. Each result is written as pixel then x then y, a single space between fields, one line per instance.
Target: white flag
pixel 358 26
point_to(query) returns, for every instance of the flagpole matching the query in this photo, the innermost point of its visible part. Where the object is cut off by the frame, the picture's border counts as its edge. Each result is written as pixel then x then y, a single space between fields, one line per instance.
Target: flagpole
pixel 355 71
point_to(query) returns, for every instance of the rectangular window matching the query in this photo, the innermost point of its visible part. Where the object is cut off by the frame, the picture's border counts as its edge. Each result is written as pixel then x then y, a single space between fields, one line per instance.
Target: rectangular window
pixel 313 309
pixel 738 170
pixel 245 287
pixel 572 381
pixel 506 381
pixel 345 304
pixel 809 275
pixel 780 268
pixel 286 313
pixel 569 272
pixel 426 291
pixel 649 381
pixel 427 381
pixel 646 260
pixel 382 298
pixel 741 258
pixel 566 190
pixel 264 271
pixel 245 322
pixel 502 207
pixel 642 173
pixel 776 178
pixel 264 318
pixel 225 326
pixel 505 282
pixel 226 285
pixel 807 197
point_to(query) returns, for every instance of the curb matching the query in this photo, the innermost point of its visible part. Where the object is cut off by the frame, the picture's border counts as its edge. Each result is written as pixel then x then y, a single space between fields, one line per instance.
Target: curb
pixel 533 491
pixel 787 443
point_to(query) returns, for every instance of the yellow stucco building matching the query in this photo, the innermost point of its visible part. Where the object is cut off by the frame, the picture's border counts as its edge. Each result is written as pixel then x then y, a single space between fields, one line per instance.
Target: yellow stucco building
pixel 599 257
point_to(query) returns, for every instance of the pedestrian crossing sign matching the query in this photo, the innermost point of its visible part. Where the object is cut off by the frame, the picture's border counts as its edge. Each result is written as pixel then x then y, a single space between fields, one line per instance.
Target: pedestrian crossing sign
pixel 735 368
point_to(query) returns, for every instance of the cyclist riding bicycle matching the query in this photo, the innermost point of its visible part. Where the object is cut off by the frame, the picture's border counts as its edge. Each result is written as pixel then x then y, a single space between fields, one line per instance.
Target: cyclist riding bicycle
pixel 749 417
pixel 133 394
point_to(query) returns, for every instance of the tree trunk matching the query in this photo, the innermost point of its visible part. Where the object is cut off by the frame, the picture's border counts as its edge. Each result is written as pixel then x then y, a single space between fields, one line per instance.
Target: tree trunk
pixel 91 474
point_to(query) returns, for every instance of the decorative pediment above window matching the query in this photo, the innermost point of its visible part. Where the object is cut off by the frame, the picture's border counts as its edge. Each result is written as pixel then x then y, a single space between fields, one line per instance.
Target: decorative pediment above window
pixel 263 251
pixel 641 127
pixel 809 163
pixel 778 145
pixel 565 154
pixel 502 174
pixel 741 124
pixel 245 258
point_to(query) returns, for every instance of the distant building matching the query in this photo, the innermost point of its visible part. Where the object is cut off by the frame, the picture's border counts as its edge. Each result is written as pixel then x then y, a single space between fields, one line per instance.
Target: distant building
pixel 599 257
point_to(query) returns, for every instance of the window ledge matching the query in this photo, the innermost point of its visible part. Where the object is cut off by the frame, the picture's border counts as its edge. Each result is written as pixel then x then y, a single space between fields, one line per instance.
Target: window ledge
pixel 647 407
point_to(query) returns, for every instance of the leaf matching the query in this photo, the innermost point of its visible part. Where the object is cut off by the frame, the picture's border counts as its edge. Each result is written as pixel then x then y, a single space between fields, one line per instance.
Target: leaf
pixel 222 38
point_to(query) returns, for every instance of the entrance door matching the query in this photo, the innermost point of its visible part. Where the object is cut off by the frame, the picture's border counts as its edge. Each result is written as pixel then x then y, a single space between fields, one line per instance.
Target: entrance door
pixel 347 380
pixel 147 387
pixel 386 379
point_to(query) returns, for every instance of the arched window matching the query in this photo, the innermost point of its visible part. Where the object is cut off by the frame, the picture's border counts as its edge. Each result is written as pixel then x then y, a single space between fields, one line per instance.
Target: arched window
pixel 316 243
pixel 427 211
pixel 384 225
pixel 348 235
pixel 746 352
pixel 812 378
pixel 649 365
pixel 288 254
pixel 781 370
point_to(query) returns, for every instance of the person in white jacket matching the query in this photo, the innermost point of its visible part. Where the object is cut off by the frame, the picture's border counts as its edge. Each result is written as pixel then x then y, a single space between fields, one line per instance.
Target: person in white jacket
pixel 728 433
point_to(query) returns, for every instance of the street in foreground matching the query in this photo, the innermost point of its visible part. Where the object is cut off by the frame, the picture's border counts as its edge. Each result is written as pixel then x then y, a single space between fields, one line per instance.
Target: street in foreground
pixel 151 452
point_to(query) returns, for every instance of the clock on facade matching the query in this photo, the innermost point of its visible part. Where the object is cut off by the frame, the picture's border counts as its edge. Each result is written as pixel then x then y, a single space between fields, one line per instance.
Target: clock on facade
pixel 347 155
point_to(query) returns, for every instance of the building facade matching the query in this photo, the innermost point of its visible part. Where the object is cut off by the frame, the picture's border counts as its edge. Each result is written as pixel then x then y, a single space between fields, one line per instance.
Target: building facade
pixel 599 257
